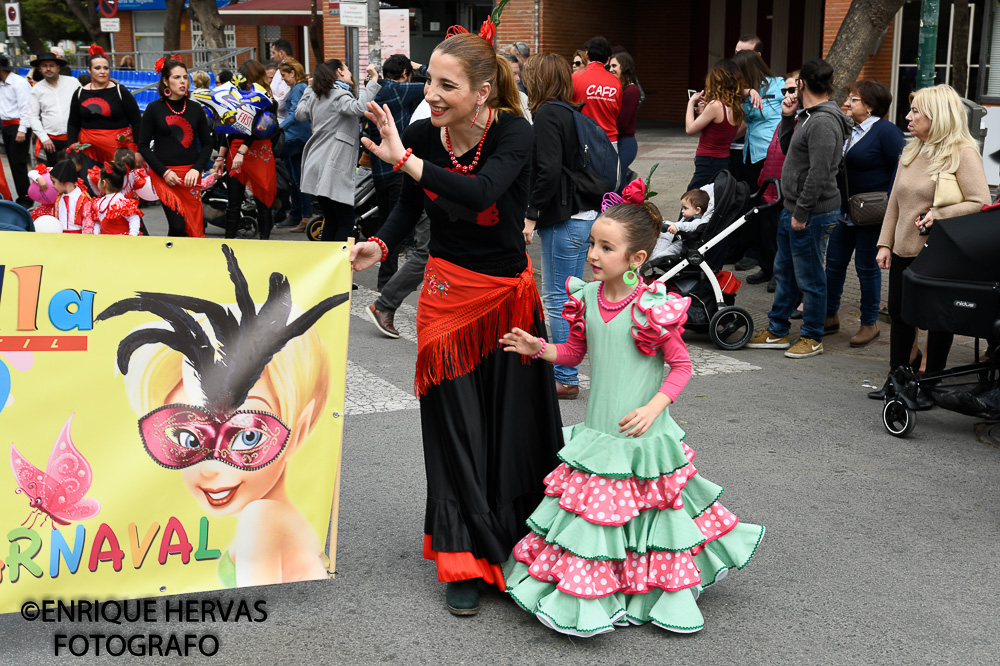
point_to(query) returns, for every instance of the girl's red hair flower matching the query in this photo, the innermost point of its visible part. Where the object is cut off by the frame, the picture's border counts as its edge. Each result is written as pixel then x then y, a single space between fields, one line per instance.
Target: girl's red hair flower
pixel 95 49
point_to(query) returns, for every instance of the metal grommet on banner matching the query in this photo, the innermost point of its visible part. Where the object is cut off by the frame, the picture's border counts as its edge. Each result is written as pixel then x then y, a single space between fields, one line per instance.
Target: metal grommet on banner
pixel 343 247
pixel 163 588
pixel 336 415
pixel 170 243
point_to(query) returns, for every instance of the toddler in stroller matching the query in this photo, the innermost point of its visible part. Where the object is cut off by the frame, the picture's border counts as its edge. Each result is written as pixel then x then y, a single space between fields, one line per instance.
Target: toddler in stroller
pixel 694 204
pixel 696 271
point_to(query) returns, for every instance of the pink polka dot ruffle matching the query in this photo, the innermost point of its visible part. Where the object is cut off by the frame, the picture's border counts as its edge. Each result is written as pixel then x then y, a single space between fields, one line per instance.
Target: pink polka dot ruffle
pixel 592 579
pixel 605 501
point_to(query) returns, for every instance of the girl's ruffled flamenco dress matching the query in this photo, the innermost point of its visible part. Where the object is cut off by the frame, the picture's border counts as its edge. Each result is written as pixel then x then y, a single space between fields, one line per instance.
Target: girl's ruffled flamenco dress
pixel 628 532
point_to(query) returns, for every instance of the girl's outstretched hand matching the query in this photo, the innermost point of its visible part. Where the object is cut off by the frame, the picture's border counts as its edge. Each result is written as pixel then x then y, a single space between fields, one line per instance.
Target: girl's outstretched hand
pixel 521 342
pixel 640 419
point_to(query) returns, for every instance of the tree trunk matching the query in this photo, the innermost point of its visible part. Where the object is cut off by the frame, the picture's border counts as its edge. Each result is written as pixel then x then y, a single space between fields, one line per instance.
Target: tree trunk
pixel 960 48
pixel 859 35
pixel 87 15
pixel 172 26
pixel 32 40
pixel 212 28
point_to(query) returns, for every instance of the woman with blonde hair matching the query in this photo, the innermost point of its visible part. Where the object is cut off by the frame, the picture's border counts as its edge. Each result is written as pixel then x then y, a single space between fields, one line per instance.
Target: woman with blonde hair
pixel 940 175
pixel 490 422
pixel 579 60
pixel 720 116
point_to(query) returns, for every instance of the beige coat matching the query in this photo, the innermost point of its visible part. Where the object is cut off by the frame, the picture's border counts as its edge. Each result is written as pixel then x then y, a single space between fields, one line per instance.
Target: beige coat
pixel 913 194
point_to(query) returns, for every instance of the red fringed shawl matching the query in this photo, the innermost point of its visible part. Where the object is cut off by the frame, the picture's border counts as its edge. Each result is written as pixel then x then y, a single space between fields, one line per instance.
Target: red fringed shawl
pixel 461 315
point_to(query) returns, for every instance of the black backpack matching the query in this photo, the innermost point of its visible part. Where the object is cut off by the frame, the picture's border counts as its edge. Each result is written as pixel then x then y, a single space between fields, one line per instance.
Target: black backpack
pixel 597 165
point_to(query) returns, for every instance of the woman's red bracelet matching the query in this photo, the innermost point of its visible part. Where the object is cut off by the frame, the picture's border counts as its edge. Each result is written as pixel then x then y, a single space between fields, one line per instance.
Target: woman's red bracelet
pixel 385 250
pixel 401 162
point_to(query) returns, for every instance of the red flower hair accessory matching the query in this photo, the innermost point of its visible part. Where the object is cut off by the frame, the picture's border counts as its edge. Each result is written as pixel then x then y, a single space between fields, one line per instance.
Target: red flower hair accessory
pixel 637 192
pixel 124 140
pixel 108 167
pixel 159 64
pixel 77 147
pixel 95 49
pixel 42 169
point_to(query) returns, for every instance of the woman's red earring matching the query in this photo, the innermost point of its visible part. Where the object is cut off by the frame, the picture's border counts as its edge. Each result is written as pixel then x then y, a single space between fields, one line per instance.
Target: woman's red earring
pixel 475 117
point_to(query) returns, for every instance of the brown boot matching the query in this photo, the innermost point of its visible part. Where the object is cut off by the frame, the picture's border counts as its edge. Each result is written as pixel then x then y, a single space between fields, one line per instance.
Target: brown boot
pixel 865 335
pixel 831 324
pixel 302 226
pixel 383 321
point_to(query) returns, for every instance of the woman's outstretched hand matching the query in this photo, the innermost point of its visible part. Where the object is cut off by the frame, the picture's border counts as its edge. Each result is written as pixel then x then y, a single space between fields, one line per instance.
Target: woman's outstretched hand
pixel 391 149
pixel 365 255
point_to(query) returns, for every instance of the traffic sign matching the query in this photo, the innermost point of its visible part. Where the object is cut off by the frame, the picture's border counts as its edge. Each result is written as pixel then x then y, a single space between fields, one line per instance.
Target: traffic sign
pixel 108 8
pixel 13 13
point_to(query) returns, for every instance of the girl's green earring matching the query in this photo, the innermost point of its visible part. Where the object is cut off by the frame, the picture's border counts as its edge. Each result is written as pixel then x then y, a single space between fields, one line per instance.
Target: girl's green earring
pixel 630 278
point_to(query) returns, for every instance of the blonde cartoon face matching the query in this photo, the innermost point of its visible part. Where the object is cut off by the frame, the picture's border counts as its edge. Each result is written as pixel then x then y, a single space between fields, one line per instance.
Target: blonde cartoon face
pixel 224 465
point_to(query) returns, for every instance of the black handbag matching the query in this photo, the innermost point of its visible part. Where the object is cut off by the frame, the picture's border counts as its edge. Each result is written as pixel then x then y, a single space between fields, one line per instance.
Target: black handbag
pixel 866 208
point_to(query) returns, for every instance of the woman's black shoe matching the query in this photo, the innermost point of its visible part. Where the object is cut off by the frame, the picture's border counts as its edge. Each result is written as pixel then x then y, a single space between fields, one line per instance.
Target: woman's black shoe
pixel 759 277
pixel 462 597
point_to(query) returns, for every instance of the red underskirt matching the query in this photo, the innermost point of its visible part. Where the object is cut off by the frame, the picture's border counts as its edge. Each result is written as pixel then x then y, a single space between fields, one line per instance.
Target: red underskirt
pixel 463 566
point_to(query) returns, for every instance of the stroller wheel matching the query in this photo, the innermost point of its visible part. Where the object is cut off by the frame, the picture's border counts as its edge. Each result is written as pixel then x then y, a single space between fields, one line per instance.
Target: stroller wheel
pixel 898 419
pixel 314 230
pixel 731 328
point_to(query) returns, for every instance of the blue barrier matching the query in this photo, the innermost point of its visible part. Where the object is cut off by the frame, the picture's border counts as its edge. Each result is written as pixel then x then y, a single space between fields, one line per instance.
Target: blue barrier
pixel 133 80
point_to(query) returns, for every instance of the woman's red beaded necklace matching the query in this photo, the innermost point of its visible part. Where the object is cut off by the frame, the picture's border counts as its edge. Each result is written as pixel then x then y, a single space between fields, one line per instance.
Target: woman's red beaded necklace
pixel 479 149
pixel 178 113
pixel 603 302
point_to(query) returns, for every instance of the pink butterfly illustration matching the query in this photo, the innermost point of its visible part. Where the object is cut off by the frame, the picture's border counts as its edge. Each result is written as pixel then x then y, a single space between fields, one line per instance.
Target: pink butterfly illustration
pixel 58 492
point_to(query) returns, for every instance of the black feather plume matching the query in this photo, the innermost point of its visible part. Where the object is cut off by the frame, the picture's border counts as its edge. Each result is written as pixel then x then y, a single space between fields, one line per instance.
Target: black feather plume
pixel 245 347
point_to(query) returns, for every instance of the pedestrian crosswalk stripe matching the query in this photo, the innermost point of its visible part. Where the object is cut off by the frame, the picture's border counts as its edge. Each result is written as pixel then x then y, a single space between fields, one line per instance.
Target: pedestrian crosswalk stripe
pixel 367 393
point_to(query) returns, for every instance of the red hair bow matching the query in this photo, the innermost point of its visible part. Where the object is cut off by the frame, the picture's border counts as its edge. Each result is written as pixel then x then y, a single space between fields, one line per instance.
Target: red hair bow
pixel 158 66
pixel 95 49
pixel 108 167
pixel 42 169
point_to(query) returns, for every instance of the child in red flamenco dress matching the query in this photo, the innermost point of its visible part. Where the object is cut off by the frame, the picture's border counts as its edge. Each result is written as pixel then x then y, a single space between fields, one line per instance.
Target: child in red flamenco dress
pixel 629 532
pixel 115 214
pixel 72 204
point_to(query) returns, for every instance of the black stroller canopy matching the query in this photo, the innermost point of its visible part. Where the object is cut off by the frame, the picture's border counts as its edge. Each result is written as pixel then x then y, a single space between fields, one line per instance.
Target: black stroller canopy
pixel 963 248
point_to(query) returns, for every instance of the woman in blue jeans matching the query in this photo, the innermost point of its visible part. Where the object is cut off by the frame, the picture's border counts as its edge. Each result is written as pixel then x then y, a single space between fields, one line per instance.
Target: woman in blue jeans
pixel 564 229
pixel 870 159
pixel 296 134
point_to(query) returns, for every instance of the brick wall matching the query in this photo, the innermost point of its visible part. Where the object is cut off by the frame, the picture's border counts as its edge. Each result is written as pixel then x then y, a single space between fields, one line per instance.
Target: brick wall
pixel 124 40
pixel 333 33
pixel 878 66
pixel 565 25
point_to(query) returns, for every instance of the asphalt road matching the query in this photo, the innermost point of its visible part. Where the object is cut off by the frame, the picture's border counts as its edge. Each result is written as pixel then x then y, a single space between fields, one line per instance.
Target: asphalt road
pixel 878 550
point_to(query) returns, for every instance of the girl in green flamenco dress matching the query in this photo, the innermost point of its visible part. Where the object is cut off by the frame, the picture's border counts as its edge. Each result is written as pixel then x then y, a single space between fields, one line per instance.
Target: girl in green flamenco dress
pixel 628 532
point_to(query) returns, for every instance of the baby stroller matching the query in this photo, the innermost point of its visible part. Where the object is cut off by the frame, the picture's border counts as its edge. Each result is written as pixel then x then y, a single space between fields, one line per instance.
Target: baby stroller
pixel 953 285
pixel 213 205
pixel 698 273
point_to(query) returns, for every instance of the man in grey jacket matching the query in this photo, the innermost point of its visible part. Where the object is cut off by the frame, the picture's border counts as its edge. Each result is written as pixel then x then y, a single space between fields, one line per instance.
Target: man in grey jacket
pixel 813 141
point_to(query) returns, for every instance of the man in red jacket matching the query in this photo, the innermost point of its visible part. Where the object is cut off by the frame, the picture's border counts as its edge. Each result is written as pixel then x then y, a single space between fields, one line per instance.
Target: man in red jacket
pixel 599 90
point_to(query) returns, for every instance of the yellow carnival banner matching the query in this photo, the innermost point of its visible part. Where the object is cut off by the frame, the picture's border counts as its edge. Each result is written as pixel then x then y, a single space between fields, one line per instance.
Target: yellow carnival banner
pixel 172 413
